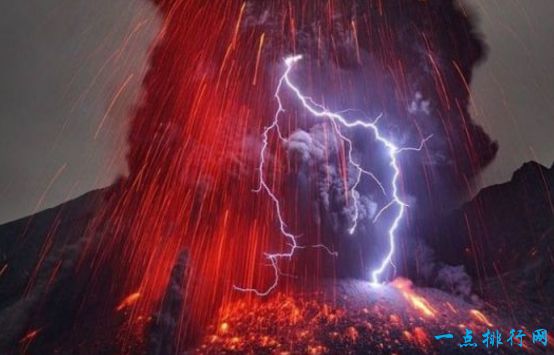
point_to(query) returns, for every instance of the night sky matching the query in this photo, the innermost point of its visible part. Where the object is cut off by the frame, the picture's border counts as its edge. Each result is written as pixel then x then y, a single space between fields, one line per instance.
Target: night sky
pixel 66 91
pixel 513 89
pixel 60 72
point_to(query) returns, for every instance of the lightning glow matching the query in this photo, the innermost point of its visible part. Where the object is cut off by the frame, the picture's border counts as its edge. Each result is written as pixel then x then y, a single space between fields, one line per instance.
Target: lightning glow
pixel 336 120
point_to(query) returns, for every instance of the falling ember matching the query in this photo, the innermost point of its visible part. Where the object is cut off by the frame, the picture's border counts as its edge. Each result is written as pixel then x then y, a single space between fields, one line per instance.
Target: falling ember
pixel 480 317
pixel 421 337
pixel 29 336
pixel 128 301
pixel 452 309
pixel 352 334
pixel 3 269
pixel 258 59
pixel 224 327
pixel 417 302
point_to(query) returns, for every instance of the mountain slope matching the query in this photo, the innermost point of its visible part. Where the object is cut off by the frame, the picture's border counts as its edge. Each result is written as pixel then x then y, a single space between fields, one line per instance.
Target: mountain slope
pixel 504 234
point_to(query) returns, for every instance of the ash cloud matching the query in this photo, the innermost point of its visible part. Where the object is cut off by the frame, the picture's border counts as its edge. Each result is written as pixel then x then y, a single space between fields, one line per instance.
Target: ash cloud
pixel 410 61
pixel 432 272
pixel 317 150
pixel 164 331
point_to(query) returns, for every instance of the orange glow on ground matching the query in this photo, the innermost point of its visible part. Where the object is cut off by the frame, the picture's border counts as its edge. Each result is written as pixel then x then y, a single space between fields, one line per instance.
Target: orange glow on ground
pixel 417 302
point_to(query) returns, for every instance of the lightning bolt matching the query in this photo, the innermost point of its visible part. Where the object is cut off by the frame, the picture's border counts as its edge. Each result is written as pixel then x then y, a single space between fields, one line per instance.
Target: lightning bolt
pixel 336 120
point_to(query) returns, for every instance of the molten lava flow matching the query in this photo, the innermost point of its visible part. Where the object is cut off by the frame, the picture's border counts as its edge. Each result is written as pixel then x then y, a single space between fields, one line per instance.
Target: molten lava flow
pixel 417 302
pixel 421 337
pixel 480 317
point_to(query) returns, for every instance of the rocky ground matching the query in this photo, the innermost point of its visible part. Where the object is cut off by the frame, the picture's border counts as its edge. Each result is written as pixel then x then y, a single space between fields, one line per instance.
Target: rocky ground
pixel 351 317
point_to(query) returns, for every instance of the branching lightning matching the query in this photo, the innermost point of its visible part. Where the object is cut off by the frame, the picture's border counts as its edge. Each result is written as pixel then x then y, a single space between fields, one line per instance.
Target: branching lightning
pixel 336 120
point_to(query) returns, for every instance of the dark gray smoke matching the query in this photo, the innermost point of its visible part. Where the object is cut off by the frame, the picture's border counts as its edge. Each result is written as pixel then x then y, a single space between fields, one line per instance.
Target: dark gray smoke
pixel 434 273
pixel 316 150
pixel 410 62
pixel 164 332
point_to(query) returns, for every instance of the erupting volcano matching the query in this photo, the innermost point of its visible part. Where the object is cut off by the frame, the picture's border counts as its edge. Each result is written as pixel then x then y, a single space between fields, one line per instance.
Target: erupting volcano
pixel 292 165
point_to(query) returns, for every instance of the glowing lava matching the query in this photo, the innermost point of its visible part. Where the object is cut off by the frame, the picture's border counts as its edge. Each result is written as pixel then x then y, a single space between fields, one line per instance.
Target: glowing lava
pixel 480 317
pixel 417 302
pixel 345 317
